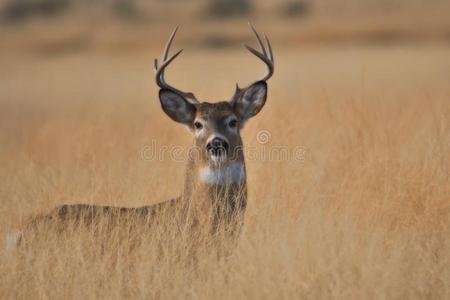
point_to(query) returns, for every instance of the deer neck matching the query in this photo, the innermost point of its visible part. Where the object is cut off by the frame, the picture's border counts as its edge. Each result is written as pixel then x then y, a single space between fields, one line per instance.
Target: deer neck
pixel 207 184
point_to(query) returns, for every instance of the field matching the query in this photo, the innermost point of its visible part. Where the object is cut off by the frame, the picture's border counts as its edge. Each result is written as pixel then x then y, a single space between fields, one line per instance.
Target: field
pixel 356 207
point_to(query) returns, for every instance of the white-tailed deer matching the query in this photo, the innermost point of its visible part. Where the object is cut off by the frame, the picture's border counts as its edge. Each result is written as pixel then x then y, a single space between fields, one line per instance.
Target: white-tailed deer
pixel 215 182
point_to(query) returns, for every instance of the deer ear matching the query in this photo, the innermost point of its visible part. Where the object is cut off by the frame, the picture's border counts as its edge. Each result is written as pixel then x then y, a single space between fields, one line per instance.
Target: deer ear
pixel 177 107
pixel 251 100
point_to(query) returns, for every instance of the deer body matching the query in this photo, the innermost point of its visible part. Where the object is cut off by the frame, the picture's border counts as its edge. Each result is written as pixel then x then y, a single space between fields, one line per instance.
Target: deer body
pixel 215 189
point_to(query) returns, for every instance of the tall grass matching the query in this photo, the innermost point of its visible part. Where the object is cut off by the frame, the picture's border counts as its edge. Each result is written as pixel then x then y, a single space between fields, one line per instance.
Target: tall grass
pixel 362 213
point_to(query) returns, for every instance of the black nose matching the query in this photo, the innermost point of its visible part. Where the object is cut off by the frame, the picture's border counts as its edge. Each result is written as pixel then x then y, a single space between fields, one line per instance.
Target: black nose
pixel 217 146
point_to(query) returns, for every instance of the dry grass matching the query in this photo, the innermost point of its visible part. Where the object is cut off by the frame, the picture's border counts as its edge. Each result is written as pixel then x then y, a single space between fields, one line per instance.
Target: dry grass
pixel 364 214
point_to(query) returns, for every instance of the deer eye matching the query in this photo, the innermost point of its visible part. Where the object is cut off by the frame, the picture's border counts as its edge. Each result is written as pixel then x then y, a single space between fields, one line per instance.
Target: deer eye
pixel 198 125
pixel 232 123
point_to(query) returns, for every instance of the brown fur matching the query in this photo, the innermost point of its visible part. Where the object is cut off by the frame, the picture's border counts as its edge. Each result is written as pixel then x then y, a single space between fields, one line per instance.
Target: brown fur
pixel 201 203
pixel 204 201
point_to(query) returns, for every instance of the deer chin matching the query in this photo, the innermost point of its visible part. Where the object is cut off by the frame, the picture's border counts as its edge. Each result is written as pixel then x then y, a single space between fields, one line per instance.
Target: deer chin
pixel 233 172
pixel 217 159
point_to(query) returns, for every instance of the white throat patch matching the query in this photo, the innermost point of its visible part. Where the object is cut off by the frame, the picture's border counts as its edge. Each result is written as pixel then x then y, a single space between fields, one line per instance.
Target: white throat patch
pixel 233 173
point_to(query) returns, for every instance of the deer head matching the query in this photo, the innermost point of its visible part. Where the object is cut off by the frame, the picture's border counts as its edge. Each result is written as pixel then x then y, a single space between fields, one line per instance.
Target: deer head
pixel 215 126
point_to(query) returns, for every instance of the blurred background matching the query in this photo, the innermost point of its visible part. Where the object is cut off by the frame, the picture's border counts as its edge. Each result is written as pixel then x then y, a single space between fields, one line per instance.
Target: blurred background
pixel 77 90
pixel 61 26
pixel 362 86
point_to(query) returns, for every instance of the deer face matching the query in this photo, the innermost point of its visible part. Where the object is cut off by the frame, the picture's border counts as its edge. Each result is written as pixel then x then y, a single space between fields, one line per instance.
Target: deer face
pixel 216 126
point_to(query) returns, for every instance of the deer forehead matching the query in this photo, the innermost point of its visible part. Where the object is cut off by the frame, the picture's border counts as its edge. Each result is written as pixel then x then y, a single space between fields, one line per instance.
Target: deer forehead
pixel 215 111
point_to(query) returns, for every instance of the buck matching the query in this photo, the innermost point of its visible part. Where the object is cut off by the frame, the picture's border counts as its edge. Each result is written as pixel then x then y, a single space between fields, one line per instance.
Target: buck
pixel 215 180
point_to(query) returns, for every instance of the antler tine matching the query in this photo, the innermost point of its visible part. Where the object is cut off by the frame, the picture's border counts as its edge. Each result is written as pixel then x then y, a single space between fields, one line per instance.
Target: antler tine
pixel 258 38
pixel 166 48
pixel 270 48
pixel 165 61
pixel 169 42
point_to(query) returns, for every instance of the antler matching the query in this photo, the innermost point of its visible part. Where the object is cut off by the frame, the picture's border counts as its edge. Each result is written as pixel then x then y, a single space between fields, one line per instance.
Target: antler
pixel 165 61
pixel 266 56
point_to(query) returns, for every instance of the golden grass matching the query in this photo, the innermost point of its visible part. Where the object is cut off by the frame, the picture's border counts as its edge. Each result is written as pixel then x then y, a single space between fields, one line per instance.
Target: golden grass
pixel 364 214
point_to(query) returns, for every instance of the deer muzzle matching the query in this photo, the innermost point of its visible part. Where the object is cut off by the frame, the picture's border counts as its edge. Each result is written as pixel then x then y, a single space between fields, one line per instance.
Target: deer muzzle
pixel 217 149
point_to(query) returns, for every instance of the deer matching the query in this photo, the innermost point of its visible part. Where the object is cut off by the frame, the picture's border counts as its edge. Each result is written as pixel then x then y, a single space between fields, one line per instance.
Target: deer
pixel 215 183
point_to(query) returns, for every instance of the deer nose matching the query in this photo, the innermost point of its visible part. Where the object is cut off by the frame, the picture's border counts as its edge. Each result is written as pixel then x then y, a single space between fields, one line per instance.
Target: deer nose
pixel 217 146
